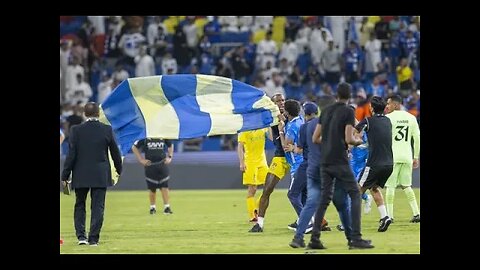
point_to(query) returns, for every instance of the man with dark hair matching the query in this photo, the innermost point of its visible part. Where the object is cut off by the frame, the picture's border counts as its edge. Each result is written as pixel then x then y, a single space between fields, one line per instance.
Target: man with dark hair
pixel 289 135
pixel 278 167
pixel 156 169
pixel 380 157
pixel 88 161
pixel 334 132
pixel 340 197
pixel 297 193
pixel 404 130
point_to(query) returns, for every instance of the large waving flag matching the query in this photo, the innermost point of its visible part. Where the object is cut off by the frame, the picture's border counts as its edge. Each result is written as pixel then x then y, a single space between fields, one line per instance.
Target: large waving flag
pixel 184 106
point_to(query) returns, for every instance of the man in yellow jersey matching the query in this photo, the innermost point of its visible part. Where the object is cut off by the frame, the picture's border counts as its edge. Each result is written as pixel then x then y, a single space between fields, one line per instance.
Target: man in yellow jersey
pixel 278 167
pixel 253 164
pixel 404 130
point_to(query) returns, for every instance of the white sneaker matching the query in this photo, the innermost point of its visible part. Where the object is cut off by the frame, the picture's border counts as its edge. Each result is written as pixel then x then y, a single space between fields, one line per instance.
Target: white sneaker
pixel 82 242
pixel 368 204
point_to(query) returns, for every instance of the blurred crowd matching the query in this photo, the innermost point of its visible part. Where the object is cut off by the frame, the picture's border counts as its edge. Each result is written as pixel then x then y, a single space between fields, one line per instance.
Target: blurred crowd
pixel 303 57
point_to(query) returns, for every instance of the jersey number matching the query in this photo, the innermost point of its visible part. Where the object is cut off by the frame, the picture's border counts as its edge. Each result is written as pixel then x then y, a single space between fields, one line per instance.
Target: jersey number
pixel 402 133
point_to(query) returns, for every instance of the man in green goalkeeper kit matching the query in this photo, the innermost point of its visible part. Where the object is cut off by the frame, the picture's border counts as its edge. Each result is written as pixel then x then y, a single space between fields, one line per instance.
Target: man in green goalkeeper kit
pixel 404 130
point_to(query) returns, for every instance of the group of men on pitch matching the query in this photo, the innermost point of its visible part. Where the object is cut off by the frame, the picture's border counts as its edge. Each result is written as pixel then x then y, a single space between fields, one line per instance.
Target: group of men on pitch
pixel 315 151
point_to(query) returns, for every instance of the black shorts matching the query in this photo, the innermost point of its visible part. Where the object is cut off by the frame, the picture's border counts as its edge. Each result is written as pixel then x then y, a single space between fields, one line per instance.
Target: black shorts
pixel 375 176
pixel 157 176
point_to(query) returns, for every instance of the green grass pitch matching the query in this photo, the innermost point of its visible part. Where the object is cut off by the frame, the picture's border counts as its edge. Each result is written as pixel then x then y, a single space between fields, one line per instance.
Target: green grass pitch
pixel 216 221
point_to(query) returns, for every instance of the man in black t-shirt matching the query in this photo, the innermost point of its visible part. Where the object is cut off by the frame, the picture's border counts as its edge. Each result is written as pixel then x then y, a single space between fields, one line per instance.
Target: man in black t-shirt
pixel 334 132
pixel 380 156
pixel 156 169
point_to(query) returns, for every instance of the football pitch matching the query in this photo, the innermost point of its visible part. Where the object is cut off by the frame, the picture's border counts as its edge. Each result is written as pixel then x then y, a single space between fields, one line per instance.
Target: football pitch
pixel 216 222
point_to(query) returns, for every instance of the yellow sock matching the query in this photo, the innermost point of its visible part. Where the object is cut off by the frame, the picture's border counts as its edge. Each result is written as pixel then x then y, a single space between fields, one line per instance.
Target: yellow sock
pixel 250 206
pixel 257 202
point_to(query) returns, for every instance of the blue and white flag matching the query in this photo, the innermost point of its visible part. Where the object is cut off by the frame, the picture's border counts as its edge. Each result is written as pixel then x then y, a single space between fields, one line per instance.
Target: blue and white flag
pixel 184 106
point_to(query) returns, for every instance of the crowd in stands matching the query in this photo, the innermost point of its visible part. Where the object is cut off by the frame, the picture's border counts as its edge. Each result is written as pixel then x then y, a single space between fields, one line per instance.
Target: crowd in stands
pixel 304 57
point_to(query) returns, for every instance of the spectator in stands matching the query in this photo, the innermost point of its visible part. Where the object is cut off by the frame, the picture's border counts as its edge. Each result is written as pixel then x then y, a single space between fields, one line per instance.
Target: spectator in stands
pixel 404 78
pixel 229 23
pixel 212 29
pixel 381 29
pixel 278 29
pixel 289 51
pixel 331 61
pixel 264 22
pixel 72 71
pixel 318 43
pixel 372 55
pixel 240 67
pixel 413 103
pixel 326 90
pixel 394 24
pixel 291 28
pixel 375 88
pixel 312 79
pixel 353 62
pixel 296 77
pixel 205 46
pixel 268 71
pixel 153 32
pixel 365 29
pixel 80 91
pixel 119 75
pixel 245 23
pixel 180 49
pixel 267 51
pixel 274 85
pixel 130 45
pixel 76 118
pixel 285 69
pixel 104 88
pixel 169 65
pixel 410 48
pixel 224 67
pixel 190 30
pixel 302 38
pixel 145 65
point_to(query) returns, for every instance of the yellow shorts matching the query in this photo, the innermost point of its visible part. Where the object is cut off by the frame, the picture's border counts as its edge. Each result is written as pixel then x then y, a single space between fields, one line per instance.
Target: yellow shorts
pixel 279 167
pixel 401 175
pixel 254 174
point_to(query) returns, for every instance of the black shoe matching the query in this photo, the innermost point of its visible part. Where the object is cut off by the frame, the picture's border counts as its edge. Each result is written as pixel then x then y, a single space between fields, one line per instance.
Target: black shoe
pixel 82 242
pixel 384 223
pixel 315 245
pixel 297 243
pixel 415 219
pixel 366 240
pixel 153 211
pixel 340 227
pixel 167 211
pixel 293 226
pixel 256 228
pixel 93 244
pixel 360 244
pixel 325 228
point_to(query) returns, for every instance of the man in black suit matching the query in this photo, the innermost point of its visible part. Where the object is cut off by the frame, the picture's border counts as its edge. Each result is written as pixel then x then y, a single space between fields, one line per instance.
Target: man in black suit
pixel 88 161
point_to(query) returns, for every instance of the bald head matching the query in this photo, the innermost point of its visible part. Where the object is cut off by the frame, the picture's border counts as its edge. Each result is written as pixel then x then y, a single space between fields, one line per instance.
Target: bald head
pixel 91 109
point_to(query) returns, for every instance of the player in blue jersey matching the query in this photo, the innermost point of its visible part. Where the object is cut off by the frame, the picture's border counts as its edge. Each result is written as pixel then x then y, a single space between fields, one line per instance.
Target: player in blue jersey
pixel 358 160
pixel 289 136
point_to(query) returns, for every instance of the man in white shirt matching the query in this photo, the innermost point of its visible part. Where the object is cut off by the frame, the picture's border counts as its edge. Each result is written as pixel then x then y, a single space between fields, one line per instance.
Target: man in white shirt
pixel 145 64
